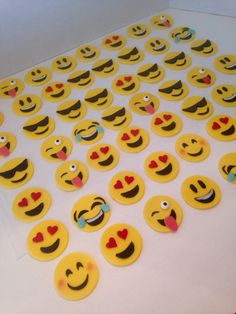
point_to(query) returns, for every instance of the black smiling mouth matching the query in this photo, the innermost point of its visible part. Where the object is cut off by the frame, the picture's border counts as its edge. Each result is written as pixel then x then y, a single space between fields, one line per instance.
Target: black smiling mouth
pixel 96 220
pixel 120 123
pixel 130 87
pixel 208 51
pixel 231 67
pixel 76 116
pixel 55 155
pixel 229 131
pixel 20 180
pixel 203 113
pixel 65 67
pixel 107 161
pixel 169 127
pixel 61 93
pixel 40 79
pixel 138 143
pixel 180 93
pixel 232 98
pixel 81 286
pixel 161 48
pixel 42 132
pixel 165 171
pixel 116 44
pixel 35 211
pixel 80 176
pixel 140 33
pixel 86 83
pixel 206 198
pixel 51 248
pixel 162 221
pixel 29 109
pixel 127 252
pixel 90 56
pixel 196 154
pixel 131 193
pixel 186 37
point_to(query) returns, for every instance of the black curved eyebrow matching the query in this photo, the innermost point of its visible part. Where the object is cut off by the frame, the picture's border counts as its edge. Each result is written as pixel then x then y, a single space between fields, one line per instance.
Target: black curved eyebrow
pixel 76 79
pixel 180 56
pixel 10 173
pixel 66 111
pixel 200 104
pixel 101 67
pixel 227 169
pixel 80 214
pixel 207 43
pixel 33 127
pixel 169 89
pixel 153 68
pixel 93 99
pixel 133 52
pixel 112 117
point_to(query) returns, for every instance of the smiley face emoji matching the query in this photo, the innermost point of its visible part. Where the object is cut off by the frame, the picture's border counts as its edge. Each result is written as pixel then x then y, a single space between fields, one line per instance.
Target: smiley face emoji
pixel 126 187
pixel 63 64
pixel 11 88
pixel 173 90
pixel 31 204
pixel 105 67
pixel 121 244
pixel 98 98
pixel 7 144
pixel 163 214
pixel 102 157
pixel 225 64
pixel 224 95
pixel 138 31
pixel 166 124
pixel 81 79
pixel 90 213
pixel 47 240
pixel 182 34
pixel 161 166
pixel 75 276
pixel 144 103
pixel 201 77
pixel 55 91
pixel 16 172
pixel 222 127
pixel 130 55
pixel 156 45
pixel 192 147
pixel 125 84
pixel 161 21
pixel 87 132
pixel 38 127
pixel 71 110
pixel 132 139
pixel 26 105
pixel 197 107
pixel 56 148
pixel 227 167
pixel 203 48
pixel 177 60
pixel 200 192
pixel 150 73
pixel 113 42
pixel 38 76
pixel 87 53
pixel 116 117
pixel 71 175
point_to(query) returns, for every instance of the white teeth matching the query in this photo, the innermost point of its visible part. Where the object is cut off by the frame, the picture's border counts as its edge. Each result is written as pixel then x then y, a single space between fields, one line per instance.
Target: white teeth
pixel 231 66
pixel 64 66
pixel 90 55
pixel 230 98
pixel 156 49
pixel 205 196
pixel 140 33
pixel 95 218
pixel 40 78
pixel 28 108
pixel 87 136
pixel 185 36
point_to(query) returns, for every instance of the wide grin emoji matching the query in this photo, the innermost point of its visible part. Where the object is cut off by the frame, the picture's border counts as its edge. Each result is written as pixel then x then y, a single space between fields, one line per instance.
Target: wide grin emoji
pixel 47 240
pixel 224 95
pixel 125 84
pixel 11 88
pixel 71 110
pixel 87 132
pixel 201 77
pixel 130 55
pixel 143 103
pixel 166 124
pixel 161 21
pixel 81 79
pixel 132 139
pixel 90 213
pixel 156 46
pixel 7 144
pixel 63 64
pixel 121 244
pixel 138 31
pixel 55 91
pixel 227 167
pixel 102 157
pixel 26 105
pixel 113 42
pixel 182 34
pixel 98 98
pixel 225 64
pixel 116 117
pixel 38 76
pixel 197 107
pixel 203 47
pixel 150 73
pixel 173 90
pixel 222 127
pixel 105 67
pixel 87 53
pixel 162 213
pixel 126 187
pixel 38 127
pixel 56 148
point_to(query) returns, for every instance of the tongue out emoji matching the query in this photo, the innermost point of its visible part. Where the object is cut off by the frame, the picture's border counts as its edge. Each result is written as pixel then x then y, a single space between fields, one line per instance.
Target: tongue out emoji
pixel 61 155
pixel 77 182
pixel 149 108
pixel 207 79
pixel 4 151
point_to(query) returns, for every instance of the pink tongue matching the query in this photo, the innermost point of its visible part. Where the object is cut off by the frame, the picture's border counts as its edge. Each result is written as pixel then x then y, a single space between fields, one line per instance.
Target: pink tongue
pixel 149 109
pixel 12 92
pixel 166 23
pixel 77 182
pixel 171 223
pixel 61 155
pixel 207 80
pixel 4 151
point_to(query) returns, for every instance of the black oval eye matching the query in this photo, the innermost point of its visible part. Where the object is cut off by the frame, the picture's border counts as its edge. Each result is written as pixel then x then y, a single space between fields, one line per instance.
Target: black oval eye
pixel 152 44
pixel 82 51
pixel 64 59
pixel 29 99
pixel 139 28
pixel 227 59
pixel 158 42
pixel 134 29
pixel 184 145
pixel 225 89
pixel 33 73
pixel 88 49
pixel 193 188
pixel 202 184
pixel 68 272
pixel 193 140
pixel 222 61
pixel 21 102
pixel 38 71
pixel 58 62
pixel 219 91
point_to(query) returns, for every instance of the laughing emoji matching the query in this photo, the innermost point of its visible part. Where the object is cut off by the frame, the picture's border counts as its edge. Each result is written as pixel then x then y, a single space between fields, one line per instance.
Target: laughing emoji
pixel 38 76
pixel 197 108
pixel 87 132
pixel 71 110
pixel 227 167
pixel 56 148
pixel 125 84
pixel 11 88
pixel 182 34
pixel 201 77
pixel 173 90
pixel 55 91
pixel 38 127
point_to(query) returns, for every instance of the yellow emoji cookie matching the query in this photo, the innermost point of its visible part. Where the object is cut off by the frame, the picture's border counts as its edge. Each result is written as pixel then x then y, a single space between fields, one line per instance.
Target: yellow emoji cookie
pixel 98 98
pixel 182 34
pixel 105 67
pixel 227 167
pixel 56 148
pixel 161 21
pixel 71 175
pixel 55 91
pixel 113 42
pixel 38 127
pixel 224 95
pixel 102 157
pixel 90 213
pixel 16 172
pixel 10 88
pixel 47 240
pixel 121 244
pixel 26 105
pixel 161 166
pixel 201 77
pixel 200 192
pixel 150 73
pixel 156 45
pixel 138 31
pixel 132 139
pixel 203 47
pixel 71 110
pixel 130 55
pixel 75 276
pixel 222 127
pixel 173 90
pixel 126 187
pixel 7 144
pixel 87 132
pixel 38 76
pixel 1 118
pixel 143 103
pixel 165 124
pixel 81 79
pixel 87 53
pixel 192 147
pixel 197 107
pixel 225 64
pixel 125 84
pixel 163 214
pixel 31 204
pixel 63 64
pixel 116 117
pixel 177 60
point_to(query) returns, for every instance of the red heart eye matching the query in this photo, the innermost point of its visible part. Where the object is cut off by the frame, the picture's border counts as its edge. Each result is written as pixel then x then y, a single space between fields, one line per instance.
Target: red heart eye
pixel 108 41
pixel 167 116
pixel 119 83
pixel 115 37
pixel 215 126
pixel 224 120
pixel 38 237
pixel 158 121
pixel 59 85
pixel 163 158
pixel 52 229
pixel 118 185
pixel 125 137
pixel 111 243
pixel 129 179
pixel 152 164
pixel 23 202
pixel 94 155
pixel 128 78
pixel 122 233
pixel 134 132
pixel 104 149
pixel 36 195
pixel 49 89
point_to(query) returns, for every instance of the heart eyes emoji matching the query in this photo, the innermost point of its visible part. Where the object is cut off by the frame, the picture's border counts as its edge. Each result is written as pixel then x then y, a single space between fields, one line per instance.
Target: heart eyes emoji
pixel 160 121
pixel 104 150
pixel 34 195
pixel 126 78
pixel 112 242
pixel 39 236
pixel 128 180
pixel 153 163
pixel 216 125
